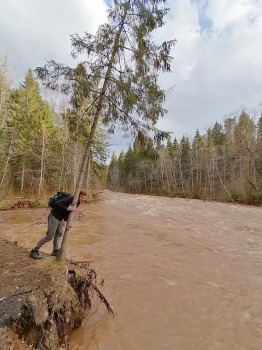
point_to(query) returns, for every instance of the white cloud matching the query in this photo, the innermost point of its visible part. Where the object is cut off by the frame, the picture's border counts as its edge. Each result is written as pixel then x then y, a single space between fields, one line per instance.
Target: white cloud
pixel 232 14
pixel 217 66
pixel 37 30
pixel 216 69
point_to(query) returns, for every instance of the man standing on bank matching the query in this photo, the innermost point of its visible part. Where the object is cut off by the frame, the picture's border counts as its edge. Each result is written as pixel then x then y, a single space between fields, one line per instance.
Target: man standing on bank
pixel 56 220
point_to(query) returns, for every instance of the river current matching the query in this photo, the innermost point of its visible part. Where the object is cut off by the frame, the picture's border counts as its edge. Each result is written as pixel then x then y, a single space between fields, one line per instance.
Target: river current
pixel 179 274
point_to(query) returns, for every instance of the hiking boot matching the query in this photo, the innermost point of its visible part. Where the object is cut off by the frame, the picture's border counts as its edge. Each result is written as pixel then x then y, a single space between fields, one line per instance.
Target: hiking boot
pixel 34 254
pixel 55 252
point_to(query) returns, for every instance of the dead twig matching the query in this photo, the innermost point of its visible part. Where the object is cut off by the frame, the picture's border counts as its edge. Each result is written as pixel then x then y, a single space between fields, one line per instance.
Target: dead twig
pixel 103 299
pixel 90 281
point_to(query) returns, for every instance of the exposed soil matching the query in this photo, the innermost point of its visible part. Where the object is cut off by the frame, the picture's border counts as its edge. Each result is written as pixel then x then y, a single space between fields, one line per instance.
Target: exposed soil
pixel 41 301
pixel 38 305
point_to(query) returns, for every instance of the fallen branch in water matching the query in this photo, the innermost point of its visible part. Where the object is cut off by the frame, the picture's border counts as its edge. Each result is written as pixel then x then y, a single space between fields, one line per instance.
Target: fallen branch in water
pixel 90 281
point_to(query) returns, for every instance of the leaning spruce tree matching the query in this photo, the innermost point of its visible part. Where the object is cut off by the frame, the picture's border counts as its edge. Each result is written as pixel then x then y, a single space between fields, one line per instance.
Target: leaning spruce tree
pixel 122 65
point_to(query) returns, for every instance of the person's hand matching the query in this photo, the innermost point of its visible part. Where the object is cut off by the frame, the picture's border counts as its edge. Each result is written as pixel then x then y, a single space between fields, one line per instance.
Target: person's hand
pixel 71 208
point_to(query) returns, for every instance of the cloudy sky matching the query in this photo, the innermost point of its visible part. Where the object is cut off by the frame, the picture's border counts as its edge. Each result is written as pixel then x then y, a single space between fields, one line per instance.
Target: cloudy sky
pixel 217 66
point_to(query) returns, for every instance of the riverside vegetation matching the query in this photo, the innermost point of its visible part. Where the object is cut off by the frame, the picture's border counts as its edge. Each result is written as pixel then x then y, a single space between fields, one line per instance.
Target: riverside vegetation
pixel 39 153
pixel 223 164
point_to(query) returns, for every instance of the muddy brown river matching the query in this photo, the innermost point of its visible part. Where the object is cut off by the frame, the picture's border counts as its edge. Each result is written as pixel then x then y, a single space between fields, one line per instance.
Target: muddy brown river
pixel 179 274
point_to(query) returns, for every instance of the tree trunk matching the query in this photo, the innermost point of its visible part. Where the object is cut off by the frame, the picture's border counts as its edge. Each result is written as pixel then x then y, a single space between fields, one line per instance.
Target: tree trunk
pixel 62 252
pixel 64 146
pixel 222 183
pixel 41 180
pixel 6 165
pixel 88 172
pixel 23 176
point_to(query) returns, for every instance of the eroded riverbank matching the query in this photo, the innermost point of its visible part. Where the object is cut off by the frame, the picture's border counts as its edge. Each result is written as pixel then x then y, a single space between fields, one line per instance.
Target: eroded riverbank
pixel 179 273
pixel 39 300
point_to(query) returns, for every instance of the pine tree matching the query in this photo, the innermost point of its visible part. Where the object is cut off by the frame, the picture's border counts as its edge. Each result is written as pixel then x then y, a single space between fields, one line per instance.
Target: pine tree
pixel 78 121
pixel 33 128
pixel 122 67
pixel 185 166
pixel 258 160
pixel 259 132
pixel 245 132
pixel 113 172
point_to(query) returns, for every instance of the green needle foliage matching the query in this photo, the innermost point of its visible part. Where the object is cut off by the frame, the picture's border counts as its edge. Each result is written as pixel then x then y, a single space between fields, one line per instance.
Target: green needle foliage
pixel 122 65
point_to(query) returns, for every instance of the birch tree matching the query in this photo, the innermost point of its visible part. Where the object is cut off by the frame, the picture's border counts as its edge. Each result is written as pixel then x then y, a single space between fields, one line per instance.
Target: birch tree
pixel 6 136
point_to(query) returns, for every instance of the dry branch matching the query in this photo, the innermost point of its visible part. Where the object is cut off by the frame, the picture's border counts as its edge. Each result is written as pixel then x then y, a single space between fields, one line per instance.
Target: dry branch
pixel 89 282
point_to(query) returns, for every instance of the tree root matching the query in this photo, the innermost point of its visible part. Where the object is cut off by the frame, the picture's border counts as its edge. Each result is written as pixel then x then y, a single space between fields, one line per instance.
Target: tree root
pixel 89 281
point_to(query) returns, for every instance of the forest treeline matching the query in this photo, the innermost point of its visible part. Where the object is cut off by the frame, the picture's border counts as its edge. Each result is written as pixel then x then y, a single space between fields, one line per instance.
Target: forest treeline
pixel 41 148
pixel 224 164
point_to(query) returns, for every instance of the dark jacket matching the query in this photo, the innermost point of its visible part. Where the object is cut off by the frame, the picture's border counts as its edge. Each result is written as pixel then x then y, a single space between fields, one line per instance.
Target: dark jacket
pixel 60 209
